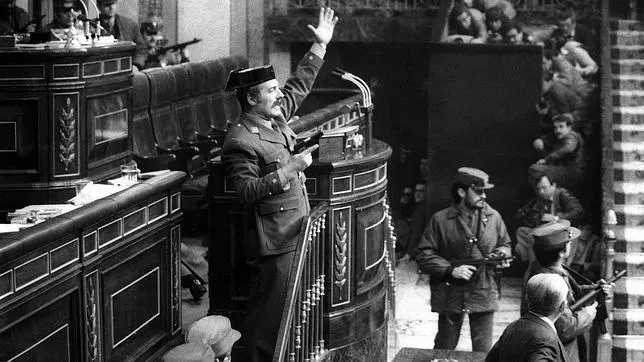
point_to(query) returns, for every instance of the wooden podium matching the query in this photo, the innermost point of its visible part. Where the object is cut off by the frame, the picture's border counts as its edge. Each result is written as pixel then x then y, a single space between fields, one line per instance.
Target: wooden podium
pixel 354 185
pixel 64 115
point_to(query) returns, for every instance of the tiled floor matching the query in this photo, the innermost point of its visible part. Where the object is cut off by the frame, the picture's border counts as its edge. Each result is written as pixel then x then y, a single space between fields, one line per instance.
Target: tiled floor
pixel 414 325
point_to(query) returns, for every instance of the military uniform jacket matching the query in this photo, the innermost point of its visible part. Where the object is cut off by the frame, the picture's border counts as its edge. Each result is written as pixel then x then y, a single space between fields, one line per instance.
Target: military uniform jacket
pixel 563 204
pixel 445 240
pixel 276 203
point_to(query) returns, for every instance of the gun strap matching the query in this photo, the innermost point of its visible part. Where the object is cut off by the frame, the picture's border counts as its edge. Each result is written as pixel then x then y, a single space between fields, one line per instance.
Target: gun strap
pixel 577 275
pixel 472 238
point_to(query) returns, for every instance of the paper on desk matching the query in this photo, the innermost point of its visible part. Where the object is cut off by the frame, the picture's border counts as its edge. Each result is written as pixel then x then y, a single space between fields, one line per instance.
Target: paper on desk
pixel 93 192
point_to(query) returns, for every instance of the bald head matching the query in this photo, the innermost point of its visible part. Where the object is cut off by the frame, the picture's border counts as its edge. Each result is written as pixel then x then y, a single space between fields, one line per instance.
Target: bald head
pixel 546 293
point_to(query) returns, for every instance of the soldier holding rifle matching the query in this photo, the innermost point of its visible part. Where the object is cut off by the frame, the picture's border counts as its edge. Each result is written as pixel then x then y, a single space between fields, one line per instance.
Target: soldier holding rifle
pixel 551 248
pixel 469 229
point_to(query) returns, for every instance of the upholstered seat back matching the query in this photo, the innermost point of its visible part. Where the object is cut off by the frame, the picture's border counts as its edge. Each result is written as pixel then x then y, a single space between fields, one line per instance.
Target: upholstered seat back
pixel 163 92
pixel 198 101
pixel 184 115
pixel 142 133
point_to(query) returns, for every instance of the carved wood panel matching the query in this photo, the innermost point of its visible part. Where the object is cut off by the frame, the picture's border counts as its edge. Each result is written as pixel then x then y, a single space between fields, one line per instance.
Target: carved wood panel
pixel 341 231
pixel 66 134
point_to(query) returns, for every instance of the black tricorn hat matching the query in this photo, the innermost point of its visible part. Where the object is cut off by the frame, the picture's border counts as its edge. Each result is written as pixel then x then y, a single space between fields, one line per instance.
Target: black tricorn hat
pixel 248 77
pixel 554 235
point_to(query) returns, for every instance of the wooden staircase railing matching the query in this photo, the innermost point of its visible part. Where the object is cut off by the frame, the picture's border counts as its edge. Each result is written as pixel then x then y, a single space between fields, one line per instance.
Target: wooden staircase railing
pixel 301 334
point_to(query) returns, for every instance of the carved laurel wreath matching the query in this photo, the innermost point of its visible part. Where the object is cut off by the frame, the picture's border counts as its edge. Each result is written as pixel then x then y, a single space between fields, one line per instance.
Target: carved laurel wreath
pixel 67 133
pixel 340 269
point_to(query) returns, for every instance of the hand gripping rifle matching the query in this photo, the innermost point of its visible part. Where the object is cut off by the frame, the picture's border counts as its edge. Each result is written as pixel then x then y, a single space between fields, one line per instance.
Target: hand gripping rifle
pixel 597 293
pixel 492 260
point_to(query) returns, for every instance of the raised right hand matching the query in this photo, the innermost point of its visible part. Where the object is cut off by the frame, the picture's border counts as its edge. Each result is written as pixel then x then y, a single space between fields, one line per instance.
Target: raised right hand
pixel 464 272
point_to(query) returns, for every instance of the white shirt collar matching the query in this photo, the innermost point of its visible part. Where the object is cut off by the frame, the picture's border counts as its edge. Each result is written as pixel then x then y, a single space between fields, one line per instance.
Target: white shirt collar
pixel 547 320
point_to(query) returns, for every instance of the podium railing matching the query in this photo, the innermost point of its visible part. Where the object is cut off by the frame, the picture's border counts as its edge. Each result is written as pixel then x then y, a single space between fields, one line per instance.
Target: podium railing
pixel 301 334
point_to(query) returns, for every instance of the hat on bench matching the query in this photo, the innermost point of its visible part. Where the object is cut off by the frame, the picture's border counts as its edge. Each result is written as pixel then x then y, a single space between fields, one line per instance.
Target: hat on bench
pixel 248 77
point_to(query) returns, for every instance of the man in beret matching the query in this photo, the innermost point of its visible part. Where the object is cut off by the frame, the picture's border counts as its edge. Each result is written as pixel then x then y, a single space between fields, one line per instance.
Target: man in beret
pixel 533 337
pixel 266 174
pixel 551 248
pixel 469 229
pixel 122 28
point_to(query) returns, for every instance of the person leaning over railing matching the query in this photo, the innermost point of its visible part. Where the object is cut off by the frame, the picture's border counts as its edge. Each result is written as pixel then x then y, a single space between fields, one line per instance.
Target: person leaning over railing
pixel 266 174
pixel 464 25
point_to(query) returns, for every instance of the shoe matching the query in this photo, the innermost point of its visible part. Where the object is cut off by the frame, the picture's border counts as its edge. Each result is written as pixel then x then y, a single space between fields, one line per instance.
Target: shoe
pixel 197 289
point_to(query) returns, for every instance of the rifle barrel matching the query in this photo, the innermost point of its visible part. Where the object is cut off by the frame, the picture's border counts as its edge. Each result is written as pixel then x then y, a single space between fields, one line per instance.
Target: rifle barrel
pixel 591 295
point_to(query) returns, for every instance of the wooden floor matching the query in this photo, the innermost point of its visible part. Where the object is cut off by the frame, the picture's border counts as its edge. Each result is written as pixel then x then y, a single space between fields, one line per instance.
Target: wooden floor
pixel 415 324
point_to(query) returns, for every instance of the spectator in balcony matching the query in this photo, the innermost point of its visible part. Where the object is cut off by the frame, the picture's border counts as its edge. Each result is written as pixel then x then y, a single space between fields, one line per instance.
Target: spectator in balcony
pixel 494 19
pixel 465 25
pixel 469 229
pixel 505 7
pixel 534 337
pixel 563 157
pixel 268 177
pixel 513 33
pixel 122 28
pixel 567 29
pixel 552 243
pixel 557 98
pixel 550 204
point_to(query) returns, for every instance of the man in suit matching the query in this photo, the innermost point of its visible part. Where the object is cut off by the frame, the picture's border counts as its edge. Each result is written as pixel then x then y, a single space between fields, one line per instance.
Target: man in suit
pixel 533 337
pixel 469 229
pixel 551 248
pixel 263 169
pixel 122 28
pixel 551 203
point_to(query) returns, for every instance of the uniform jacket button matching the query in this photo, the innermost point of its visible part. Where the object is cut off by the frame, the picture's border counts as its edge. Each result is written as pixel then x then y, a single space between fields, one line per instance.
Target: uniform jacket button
pixel 281 208
pixel 274 180
pixel 278 160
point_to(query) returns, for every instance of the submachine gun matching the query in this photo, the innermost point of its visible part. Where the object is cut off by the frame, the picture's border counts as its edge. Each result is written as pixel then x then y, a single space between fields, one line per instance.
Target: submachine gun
pixel 178 46
pixel 597 294
pixel 490 261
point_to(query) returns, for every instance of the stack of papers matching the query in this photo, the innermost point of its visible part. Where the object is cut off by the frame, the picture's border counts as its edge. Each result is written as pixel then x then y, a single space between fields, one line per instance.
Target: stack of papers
pixel 36 213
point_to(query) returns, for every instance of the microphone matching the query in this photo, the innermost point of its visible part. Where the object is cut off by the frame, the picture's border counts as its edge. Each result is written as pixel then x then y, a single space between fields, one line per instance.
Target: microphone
pixel 82 17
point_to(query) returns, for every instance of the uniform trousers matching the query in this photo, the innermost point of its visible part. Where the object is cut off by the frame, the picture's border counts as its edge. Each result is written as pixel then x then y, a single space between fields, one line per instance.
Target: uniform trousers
pixel 449 330
pixel 268 294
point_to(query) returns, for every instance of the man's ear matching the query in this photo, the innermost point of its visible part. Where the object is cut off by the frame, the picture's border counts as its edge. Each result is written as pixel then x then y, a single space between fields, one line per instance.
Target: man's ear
pixel 251 99
pixel 461 193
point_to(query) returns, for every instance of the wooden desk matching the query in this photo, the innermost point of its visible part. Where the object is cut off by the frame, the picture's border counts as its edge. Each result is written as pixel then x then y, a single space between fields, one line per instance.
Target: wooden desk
pixel 99 283
pixel 426 355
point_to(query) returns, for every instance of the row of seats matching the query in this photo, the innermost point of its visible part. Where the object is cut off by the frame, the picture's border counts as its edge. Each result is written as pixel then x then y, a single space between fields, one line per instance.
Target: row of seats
pixel 179 119
pixel 183 111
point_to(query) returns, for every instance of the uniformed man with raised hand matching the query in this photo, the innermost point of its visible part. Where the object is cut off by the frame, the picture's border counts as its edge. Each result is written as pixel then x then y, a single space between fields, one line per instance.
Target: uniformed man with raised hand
pixel 258 153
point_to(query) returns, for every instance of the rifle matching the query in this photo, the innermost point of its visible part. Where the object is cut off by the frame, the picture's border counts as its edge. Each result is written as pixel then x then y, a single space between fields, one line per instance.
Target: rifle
pixel 602 313
pixel 162 50
pixel 488 261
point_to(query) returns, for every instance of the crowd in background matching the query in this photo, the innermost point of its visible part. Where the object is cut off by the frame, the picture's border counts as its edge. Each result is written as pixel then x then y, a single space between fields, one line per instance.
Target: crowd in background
pixel 566 151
